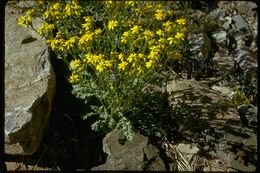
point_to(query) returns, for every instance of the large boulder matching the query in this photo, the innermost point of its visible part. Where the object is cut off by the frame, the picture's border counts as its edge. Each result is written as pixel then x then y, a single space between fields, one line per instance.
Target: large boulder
pixel 137 155
pixel 29 86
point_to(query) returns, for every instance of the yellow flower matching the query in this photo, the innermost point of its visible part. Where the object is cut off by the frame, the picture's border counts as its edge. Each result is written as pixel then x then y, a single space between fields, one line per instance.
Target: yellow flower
pixel 98 31
pixel 88 19
pixel 89 58
pixel 121 56
pixel 77 9
pixel 171 40
pixel 68 44
pixel 68 10
pixel 101 66
pixel 61 46
pixel 53 43
pixel 138 12
pixel 181 21
pixel 179 36
pixel 74 39
pixel 122 65
pixel 141 56
pixel 125 36
pixel 131 3
pixel 154 54
pixel 150 63
pixel 96 58
pixel 151 42
pixel 55 6
pixel 162 41
pixel 47 14
pixel 109 2
pixel 131 57
pixel 59 34
pixel 22 21
pixel 160 32
pixel 135 29
pixel 86 26
pixel 74 78
pixel 112 24
pixel 87 37
pixel 75 64
pixel 168 26
pixel 109 63
pixel 29 12
pixel 148 34
pixel 160 15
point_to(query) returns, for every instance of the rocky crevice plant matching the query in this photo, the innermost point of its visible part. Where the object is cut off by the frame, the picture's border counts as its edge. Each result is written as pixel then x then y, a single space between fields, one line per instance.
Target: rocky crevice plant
pixel 113 48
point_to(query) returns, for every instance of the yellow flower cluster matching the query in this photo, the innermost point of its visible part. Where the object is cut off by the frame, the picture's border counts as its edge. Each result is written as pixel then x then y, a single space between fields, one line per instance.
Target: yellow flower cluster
pixel 136 45
pixel 70 43
pixel 73 9
pixel 45 28
pixel 57 10
pixel 54 11
pixel 26 19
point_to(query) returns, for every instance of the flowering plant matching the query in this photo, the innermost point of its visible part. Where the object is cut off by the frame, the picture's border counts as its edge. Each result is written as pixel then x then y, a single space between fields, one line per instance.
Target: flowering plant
pixel 113 48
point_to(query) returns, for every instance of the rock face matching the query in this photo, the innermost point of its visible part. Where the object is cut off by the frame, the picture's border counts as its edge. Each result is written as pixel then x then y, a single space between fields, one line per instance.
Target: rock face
pixel 137 155
pixel 216 124
pixel 29 87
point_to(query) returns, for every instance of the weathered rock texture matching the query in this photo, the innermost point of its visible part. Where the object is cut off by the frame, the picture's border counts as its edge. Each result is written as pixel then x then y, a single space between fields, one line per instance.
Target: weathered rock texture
pixel 204 115
pixel 137 155
pixel 29 87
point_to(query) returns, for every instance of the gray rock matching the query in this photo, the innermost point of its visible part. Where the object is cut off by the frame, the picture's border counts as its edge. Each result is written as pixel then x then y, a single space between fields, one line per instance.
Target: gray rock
pixel 221 38
pixel 188 150
pixel 217 13
pixel 237 143
pixel 240 23
pixel 251 116
pixel 242 7
pixel 245 8
pixel 198 97
pixel 136 155
pixel 224 132
pixel 223 62
pixel 226 6
pixel 226 26
pixel 224 90
pixel 246 59
pixel 29 87
pixel 242 166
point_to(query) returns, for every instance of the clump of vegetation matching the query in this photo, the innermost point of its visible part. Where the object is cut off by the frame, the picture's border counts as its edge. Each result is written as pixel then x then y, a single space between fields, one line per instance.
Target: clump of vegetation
pixel 114 50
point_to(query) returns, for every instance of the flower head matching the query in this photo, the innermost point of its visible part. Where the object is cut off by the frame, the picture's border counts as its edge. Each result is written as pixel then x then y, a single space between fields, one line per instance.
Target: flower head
pixel 112 24
pixel 181 21
pixel 74 78
pixel 179 36
pixel 160 15
pixel 75 64
pixel 122 65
